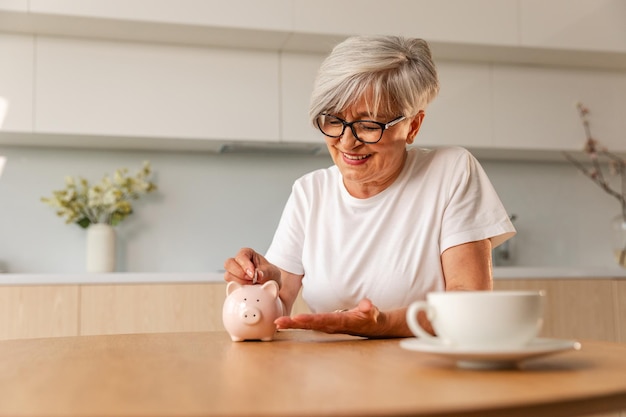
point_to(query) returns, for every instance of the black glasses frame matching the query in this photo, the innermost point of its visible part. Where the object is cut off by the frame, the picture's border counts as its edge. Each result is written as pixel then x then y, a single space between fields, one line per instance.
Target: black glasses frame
pixel 383 127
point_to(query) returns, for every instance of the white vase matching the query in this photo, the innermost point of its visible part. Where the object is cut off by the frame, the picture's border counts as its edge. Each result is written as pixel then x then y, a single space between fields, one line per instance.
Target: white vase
pixel 100 248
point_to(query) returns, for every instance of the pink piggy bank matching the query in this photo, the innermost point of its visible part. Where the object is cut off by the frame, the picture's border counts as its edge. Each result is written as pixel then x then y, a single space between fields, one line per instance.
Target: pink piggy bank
pixel 250 310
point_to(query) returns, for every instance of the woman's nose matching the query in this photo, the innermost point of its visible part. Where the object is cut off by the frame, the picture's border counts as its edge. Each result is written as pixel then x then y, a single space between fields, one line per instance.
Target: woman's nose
pixel 348 137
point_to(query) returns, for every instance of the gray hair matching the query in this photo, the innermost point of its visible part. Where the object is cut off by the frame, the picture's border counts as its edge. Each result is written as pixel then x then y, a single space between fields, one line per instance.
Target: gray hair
pixel 398 72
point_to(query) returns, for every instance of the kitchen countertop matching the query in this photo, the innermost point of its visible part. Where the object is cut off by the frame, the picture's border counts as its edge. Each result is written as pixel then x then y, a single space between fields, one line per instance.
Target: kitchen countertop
pixel 510 272
pixel 539 272
pixel 111 278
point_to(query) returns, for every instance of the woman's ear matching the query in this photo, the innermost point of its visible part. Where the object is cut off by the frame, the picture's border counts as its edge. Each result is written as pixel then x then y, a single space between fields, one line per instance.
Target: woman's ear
pixel 416 123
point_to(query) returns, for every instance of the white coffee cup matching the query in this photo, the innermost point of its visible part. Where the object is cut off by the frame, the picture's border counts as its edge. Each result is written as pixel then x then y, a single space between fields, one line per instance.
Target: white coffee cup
pixel 484 320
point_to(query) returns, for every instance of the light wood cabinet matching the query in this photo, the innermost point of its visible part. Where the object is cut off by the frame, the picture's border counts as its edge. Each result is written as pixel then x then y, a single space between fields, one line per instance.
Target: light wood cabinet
pixel 38 311
pixel 155 308
pixel 70 310
pixel 619 299
pixel 575 308
pixel 16 83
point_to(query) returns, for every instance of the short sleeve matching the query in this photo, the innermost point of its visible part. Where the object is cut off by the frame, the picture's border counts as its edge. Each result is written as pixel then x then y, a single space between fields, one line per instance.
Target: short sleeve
pixel 474 210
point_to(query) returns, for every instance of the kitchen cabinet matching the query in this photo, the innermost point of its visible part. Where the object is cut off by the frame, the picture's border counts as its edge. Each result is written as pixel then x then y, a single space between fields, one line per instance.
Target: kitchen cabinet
pixel 298 71
pixel 620 310
pixel 461 114
pixel 590 25
pixel 155 308
pixel 184 75
pixel 578 308
pixel 114 309
pixel 535 108
pixel 448 21
pixel 244 14
pixel 237 23
pixel 586 24
pixel 14 5
pixel 88 87
pixel 575 308
pixel 16 83
pixel 30 311
pixel 38 311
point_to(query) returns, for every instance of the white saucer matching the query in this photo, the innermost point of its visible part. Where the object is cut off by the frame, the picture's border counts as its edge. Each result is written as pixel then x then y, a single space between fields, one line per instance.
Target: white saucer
pixel 491 359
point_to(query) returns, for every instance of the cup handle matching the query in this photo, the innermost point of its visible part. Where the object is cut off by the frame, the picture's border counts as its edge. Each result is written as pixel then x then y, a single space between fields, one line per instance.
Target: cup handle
pixel 411 320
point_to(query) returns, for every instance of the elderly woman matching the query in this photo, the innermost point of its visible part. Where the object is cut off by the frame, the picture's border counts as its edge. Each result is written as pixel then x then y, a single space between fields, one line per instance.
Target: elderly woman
pixel 386 224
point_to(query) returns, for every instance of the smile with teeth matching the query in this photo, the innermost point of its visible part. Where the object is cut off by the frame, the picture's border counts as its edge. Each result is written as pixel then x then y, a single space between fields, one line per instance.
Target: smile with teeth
pixel 356 157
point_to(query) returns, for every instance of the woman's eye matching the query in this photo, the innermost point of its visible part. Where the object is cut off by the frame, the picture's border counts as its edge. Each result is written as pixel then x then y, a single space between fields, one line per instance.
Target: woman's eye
pixel 368 126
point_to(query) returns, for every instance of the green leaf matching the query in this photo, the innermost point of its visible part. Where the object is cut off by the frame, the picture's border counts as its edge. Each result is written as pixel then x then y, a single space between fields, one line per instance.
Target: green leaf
pixel 84 222
pixel 116 218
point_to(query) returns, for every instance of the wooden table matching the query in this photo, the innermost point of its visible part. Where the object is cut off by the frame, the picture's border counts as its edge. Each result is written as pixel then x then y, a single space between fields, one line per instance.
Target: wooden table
pixel 300 373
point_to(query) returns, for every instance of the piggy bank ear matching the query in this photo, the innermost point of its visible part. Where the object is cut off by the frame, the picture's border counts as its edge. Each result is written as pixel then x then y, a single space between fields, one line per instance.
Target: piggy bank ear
pixel 232 286
pixel 271 287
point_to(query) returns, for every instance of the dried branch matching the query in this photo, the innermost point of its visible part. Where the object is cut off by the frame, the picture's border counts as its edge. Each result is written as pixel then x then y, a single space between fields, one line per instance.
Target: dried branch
pixel 596 151
pixel 616 165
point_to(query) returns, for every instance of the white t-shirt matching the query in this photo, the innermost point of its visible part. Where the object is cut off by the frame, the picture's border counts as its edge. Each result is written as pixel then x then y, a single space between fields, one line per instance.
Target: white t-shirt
pixel 387 247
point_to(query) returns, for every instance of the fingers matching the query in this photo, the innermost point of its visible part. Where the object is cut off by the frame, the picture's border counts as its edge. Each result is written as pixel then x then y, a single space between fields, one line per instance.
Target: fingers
pixel 247 259
pixel 319 322
pixel 359 321
pixel 242 267
pixel 286 322
pixel 336 322
pixel 249 267
pixel 366 307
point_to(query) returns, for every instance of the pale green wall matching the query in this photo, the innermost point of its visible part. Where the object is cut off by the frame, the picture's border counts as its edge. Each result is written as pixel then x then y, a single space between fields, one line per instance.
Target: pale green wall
pixel 210 205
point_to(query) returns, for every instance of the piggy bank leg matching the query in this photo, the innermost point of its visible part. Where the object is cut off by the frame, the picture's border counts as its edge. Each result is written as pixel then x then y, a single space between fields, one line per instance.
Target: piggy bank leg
pixel 236 339
pixel 267 339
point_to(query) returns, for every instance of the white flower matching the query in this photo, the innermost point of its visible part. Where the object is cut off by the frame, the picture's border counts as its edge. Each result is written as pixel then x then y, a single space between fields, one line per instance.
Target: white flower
pixel 107 202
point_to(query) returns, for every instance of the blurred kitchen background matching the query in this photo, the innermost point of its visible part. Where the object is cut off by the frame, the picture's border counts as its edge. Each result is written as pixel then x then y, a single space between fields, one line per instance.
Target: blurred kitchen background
pixel 215 93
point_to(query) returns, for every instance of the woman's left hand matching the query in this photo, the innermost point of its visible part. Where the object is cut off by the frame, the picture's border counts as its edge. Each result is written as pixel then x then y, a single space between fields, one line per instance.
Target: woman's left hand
pixel 363 320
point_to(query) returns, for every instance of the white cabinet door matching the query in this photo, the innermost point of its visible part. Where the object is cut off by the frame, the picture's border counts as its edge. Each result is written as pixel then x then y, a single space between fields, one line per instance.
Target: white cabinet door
pixel 466 21
pixel 535 108
pixel 150 90
pixel 298 73
pixel 16 83
pixel 235 23
pixel 249 14
pixel 461 113
pixel 597 25
pixel 14 5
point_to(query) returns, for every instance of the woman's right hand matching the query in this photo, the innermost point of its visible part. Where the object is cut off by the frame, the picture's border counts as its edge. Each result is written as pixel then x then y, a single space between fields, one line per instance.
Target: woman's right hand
pixel 246 262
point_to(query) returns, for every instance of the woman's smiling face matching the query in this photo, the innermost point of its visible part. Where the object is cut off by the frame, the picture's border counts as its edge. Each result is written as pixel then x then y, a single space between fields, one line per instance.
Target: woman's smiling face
pixel 368 169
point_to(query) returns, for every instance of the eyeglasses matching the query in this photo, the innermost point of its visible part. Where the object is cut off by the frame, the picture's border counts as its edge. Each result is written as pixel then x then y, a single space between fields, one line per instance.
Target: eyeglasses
pixel 366 131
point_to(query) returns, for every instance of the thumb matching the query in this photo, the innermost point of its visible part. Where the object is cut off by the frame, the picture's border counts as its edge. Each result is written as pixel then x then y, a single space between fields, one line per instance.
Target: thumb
pixel 365 306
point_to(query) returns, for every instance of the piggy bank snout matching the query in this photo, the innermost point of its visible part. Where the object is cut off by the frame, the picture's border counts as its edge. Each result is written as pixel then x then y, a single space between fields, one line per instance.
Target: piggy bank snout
pixel 250 315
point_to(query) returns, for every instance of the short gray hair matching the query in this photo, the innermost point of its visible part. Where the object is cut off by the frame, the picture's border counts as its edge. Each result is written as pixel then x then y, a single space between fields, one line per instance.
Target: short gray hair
pixel 398 71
